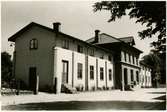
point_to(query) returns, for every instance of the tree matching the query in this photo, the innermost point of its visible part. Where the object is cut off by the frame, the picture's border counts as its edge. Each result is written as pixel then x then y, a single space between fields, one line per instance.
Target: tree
pixel 6 67
pixel 153 61
pixel 152 14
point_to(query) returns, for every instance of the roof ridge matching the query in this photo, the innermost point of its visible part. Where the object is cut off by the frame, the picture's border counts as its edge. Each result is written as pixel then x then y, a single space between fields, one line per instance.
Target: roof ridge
pixel 127 37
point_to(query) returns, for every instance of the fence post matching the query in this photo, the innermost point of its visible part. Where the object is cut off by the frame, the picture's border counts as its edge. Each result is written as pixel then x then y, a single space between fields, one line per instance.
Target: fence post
pixel 18 87
pixel 36 85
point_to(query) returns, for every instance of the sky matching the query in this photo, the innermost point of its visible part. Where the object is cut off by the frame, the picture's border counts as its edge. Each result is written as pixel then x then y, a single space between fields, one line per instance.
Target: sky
pixel 76 17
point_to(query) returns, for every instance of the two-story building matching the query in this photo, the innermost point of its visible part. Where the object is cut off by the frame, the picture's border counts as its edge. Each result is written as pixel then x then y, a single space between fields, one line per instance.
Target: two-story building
pixel 125 58
pixel 46 58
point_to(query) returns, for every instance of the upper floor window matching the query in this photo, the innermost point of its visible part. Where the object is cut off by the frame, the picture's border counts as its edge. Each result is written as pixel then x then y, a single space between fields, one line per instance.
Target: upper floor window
pixel 80 49
pixel 80 69
pixel 92 72
pixel 65 44
pixel 125 56
pixel 109 58
pixel 101 73
pixel 91 51
pixel 132 77
pixel 129 58
pixel 33 44
pixel 133 59
pixel 136 61
pixel 102 56
pixel 110 74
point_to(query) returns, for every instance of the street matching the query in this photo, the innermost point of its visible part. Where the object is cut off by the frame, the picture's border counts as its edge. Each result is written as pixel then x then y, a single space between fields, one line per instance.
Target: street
pixel 142 99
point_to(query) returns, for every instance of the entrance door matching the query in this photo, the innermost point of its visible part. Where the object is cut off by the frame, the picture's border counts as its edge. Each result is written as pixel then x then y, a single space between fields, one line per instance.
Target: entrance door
pixel 32 78
pixel 125 76
pixel 65 72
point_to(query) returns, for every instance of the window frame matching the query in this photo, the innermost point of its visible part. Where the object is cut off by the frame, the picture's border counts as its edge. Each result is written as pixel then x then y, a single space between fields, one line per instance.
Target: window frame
pixel 129 58
pixel 33 44
pixel 101 73
pixel 65 44
pixel 110 58
pixel 110 74
pixel 91 72
pixel 91 52
pixel 125 57
pixel 80 48
pixel 132 75
pixel 79 70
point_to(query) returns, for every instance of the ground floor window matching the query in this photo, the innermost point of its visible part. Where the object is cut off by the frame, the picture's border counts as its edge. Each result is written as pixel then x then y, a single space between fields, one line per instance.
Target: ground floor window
pixel 137 76
pixel 80 69
pixel 91 72
pixel 110 74
pixel 101 73
pixel 132 78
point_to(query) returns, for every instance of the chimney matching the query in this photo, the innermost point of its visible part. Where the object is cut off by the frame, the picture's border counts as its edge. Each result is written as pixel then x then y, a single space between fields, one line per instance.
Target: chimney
pixel 97 36
pixel 56 27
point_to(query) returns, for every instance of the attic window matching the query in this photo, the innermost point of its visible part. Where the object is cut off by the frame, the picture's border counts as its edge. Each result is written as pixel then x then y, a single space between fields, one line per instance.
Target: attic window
pixel 33 44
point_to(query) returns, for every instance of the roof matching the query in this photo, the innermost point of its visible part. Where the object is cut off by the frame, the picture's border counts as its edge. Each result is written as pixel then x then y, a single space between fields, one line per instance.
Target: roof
pixel 108 39
pixel 103 38
pixel 129 39
pixel 16 35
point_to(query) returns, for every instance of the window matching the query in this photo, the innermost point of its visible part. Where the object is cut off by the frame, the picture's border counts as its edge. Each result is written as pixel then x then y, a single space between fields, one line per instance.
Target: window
pixel 80 49
pixel 101 73
pixel 133 59
pixel 129 58
pixel 110 74
pixel 92 72
pixel 102 56
pixel 33 44
pixel 132 75
pixel 65 44
pixel 136 61
pixel 80 69
pixel 92 52
pixel 125 56
pixel 137 76
pixel 109 58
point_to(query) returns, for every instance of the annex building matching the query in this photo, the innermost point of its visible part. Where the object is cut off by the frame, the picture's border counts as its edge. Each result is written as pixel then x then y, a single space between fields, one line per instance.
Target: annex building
pixel 48 59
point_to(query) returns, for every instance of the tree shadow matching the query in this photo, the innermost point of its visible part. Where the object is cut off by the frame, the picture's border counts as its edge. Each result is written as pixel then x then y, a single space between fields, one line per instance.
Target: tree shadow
pixel 157 92
pixel 163 97
pixel 87 105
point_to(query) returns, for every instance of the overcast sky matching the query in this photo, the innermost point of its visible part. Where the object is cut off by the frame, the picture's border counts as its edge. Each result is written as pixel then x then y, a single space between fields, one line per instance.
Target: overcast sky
pixel 77 19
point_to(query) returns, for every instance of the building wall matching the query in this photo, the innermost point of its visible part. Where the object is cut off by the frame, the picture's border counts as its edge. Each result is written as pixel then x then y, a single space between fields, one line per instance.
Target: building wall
pixel 60 55
pixel 79 58
pixel 41 58
pixel 145 77
pixel 68 55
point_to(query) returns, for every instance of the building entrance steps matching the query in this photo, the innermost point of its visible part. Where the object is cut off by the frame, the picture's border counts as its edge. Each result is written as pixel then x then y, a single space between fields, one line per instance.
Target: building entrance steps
pixel 66 88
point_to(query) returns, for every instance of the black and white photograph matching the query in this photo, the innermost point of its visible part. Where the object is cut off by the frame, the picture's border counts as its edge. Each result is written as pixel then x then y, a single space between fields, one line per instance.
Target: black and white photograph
pixel 83 55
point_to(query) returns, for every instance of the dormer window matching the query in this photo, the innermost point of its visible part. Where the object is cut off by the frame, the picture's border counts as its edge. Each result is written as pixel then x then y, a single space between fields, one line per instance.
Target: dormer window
pixel 33 44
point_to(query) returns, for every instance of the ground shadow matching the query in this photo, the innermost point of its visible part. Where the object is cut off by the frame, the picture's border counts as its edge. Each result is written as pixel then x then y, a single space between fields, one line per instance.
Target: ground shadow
pixel 86 105
pixel 163 97
pixel 157 92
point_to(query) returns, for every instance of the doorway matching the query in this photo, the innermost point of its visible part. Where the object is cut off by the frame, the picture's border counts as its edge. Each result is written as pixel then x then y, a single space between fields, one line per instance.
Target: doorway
pixel 65 72
pixel 33 80
pixel 125 76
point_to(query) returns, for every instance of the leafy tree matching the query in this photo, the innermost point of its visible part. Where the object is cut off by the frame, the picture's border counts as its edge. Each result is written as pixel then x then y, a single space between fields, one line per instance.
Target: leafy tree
pixel 152 60
pixel 6 67
pixel 150 13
